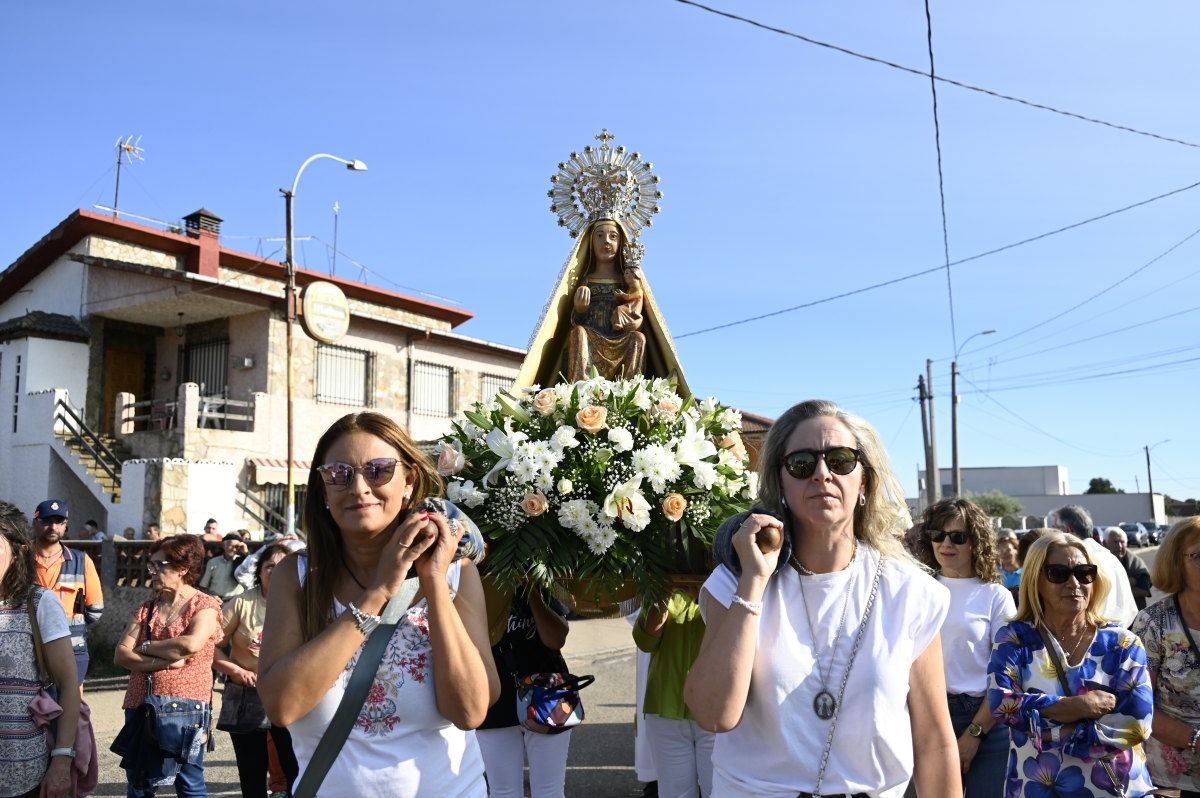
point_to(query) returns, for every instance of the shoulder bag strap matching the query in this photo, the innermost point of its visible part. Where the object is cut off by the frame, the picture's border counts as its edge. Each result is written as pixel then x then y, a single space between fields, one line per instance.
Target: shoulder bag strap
pixel 1188 632
pixel 331 742
pixel 39 650
pixel 1059 665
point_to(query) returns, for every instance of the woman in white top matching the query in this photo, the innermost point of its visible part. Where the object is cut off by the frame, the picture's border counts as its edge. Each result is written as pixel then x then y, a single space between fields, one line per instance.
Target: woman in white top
pixel 436 679
pixel 957 542
pixel 821 663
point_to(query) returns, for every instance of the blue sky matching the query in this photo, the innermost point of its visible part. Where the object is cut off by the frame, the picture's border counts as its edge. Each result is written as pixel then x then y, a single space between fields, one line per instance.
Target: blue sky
pixel 791 173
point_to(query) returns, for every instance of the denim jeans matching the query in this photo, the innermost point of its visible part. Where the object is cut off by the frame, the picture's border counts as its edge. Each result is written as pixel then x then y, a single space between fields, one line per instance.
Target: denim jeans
pixel 189 781
pixel 985 778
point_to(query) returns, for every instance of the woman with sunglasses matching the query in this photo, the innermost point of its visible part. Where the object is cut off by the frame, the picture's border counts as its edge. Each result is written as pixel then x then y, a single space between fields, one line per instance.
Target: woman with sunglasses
pixel 169 646
pixel 1072 686
pixel 957 544
pixel 366 532
pixel 1170 629
pixel 821 663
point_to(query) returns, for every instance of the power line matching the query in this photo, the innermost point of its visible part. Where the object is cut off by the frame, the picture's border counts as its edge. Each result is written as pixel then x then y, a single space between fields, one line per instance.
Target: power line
pixel 959 262
pixel 1088 377
pixel 937 140
pixel 913 71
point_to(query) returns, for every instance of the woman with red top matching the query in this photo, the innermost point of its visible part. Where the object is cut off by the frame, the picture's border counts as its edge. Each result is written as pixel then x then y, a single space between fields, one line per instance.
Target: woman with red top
pixel 171 639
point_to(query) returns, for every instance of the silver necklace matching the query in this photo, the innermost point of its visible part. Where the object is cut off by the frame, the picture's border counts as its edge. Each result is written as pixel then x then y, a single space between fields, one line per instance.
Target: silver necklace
pixel 825 705
pixel 1075 648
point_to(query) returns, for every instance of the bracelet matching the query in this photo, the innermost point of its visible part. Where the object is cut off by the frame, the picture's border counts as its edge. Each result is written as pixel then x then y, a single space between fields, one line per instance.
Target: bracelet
pixel 1055 734
pixel 142 649
pixel 1195 738
pixel 365 621
pixel 752 607
pixel 68 752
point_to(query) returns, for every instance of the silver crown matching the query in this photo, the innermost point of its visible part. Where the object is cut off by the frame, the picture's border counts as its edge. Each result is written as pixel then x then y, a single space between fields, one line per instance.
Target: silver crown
pixel 605 184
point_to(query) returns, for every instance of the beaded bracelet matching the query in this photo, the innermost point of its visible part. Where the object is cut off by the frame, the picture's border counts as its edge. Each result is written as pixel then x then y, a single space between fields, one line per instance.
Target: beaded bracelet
pixel 1195 737
pixel 752 607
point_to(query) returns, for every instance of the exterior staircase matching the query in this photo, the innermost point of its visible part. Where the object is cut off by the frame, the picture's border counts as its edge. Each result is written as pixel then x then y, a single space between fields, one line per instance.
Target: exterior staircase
pixel 100 455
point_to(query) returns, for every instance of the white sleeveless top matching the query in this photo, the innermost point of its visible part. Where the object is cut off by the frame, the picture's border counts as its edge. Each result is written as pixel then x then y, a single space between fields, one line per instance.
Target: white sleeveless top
pixel 400 746
pixel 775 749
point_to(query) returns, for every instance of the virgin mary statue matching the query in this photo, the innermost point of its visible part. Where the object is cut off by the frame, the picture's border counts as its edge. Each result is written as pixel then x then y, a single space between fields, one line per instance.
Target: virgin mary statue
pixel 601 314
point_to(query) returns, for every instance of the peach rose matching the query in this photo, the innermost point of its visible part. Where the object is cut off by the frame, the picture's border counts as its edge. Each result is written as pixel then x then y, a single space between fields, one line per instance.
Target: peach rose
pixel 534 504
pixel 545 401
pixel 450 461
pixel 592 418
pixel 673 506
pixel 667 406
pixel 733 442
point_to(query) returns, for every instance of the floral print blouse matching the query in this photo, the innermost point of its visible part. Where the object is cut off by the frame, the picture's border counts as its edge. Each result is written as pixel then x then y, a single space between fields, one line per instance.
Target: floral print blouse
pixel 1178 673
pixel 1023 682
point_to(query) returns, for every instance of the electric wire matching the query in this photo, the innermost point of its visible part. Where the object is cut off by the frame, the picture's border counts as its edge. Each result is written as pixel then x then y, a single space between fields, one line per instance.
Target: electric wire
pixel 959 262
pixel 937 141
pixel 1173 366
pixel 960 84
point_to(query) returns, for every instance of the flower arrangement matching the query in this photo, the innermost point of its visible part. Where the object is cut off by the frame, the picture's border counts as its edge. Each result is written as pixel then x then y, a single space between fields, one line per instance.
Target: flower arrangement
pixel 607 480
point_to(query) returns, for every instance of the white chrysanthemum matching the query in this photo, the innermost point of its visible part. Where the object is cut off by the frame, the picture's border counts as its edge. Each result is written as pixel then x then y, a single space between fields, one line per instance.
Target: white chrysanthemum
pixel 751 491
pixel 620 438
pixel 466 493
pixel 704 475
pixel 729 419
pixel 574 513
pixel 563 438
pixel 657 464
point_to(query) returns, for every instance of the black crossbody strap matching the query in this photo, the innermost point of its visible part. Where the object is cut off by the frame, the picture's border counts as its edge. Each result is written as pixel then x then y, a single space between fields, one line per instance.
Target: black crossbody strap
pixel 331 742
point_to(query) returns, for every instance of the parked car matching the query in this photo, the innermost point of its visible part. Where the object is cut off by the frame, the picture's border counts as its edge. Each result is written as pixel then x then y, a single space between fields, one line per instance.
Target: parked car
pixel 1137 533
pixel 1158 534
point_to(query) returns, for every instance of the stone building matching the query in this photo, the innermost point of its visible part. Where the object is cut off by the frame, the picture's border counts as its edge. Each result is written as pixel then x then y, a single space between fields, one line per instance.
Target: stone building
pixel 143 374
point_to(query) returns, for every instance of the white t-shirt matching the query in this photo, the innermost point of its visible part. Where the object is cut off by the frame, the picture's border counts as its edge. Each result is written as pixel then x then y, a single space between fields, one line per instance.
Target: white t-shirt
pixel 1119 607
pixel 977 611
pixel 775 750
pixel 52 621
pixel 400 746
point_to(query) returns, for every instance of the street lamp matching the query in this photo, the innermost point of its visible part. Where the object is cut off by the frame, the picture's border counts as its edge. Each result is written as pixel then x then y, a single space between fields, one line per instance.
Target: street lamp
pixel 956 475
pixel 290 312
pixel 1149 477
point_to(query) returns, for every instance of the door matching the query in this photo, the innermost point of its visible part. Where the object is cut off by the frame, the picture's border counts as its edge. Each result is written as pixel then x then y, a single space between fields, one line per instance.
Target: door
pixel 124 371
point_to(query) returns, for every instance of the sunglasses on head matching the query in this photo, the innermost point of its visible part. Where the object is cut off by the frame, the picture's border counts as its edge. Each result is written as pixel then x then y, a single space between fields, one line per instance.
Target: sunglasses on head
pixel 376 472
pixel 802 463
pixel 1084 574
pixel 958 537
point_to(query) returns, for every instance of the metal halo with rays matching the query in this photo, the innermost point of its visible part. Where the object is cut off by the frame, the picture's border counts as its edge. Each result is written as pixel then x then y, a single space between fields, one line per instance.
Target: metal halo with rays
pixel 605 183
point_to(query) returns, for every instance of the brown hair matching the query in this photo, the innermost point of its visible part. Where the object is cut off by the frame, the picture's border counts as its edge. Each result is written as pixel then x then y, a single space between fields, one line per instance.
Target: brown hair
pixel 1029 606
pixel 268 551
pixel 185 552
pixel 1028 539
pixel 325 552
pixel 985 562
pixel 1169 561
pixel 18 579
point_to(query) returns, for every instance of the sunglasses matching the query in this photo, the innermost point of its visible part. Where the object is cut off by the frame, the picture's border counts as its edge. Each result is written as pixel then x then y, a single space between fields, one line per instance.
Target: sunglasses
pixel 958 538
pixel 1084 574
pixel 376 472
pixel 802 463
pixel 154 566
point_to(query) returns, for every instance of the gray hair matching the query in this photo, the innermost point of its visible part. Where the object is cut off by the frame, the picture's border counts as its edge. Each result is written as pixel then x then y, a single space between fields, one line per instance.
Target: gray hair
pixel 1077 520
pixel 1116 530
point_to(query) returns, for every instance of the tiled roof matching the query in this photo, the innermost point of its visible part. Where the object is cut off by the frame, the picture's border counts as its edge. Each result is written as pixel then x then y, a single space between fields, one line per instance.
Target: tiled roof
pixel 39 324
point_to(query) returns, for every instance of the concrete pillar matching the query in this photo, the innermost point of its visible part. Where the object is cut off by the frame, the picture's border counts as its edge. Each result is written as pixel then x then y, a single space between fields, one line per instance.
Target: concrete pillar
pixel 125 413
pixel 187 409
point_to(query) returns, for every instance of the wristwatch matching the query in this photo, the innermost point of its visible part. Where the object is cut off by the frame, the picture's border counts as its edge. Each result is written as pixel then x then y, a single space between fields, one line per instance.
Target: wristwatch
pixel 67 752
pixel 976 731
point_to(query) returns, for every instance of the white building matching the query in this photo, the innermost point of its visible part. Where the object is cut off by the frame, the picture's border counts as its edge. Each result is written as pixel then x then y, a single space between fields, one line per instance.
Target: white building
pixel 143 374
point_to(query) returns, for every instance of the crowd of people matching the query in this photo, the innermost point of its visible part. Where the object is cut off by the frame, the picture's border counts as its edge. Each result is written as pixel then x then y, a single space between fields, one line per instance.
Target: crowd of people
pixel 834 649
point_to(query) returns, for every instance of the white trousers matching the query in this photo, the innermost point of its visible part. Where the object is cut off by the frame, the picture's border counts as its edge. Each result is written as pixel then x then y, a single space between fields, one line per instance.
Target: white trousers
pixel 505 752
pixel 682 756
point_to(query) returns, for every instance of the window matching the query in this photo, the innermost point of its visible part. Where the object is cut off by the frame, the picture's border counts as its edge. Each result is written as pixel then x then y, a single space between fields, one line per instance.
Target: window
pixel 432 390
pixel 16 393
pixel 344 376
pixel 492 384
pixel 206 363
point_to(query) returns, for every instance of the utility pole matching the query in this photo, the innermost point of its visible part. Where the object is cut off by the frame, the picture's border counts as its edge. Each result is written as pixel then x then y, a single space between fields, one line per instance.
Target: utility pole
pixel 935 492
pixel 931 481
pixel 955 474
pixel 1150 477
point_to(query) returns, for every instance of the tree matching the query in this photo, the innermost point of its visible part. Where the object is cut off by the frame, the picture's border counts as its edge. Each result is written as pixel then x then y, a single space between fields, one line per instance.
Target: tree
pixel 997 504
pixel 1102 485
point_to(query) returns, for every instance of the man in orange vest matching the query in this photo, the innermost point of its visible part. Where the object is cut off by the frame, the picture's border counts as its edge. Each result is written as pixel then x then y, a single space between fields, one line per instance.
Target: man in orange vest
pixel 69 573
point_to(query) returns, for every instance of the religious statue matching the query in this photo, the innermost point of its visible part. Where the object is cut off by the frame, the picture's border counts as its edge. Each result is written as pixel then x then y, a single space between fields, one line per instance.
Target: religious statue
pixel 601 314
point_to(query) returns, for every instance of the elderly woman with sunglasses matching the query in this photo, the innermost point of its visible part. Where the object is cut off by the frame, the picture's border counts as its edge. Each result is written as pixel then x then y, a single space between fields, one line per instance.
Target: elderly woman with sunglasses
pixel 1167 628
pixel 821 663
pixel 957 544
pixel 1072 686
pixel 436 678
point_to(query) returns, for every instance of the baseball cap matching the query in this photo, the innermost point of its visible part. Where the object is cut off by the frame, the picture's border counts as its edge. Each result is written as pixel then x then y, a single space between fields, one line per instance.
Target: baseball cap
pixel 51 508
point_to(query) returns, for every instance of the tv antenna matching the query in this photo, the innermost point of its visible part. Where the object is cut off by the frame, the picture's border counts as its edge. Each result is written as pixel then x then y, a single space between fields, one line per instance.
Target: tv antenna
pixel 336 211
pixel 128 148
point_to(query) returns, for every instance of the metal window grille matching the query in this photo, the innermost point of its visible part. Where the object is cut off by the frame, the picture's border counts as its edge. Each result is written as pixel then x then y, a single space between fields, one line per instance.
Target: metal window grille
pixel 432 390
pixel 492 384
pixel 206 363
pixel 16 393
pixel 344 376
pixel 274 496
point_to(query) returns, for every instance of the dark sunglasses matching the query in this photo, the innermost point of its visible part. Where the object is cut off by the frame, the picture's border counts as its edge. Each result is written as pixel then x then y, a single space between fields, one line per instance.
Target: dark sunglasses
pixel 802 463
pixel 376 472
pixel 958 538
pixel 1084 574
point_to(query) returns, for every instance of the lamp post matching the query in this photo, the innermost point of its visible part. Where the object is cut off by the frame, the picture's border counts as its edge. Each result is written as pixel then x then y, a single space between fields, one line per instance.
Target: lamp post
pixel 290 312
pixel 956 475
pixel 1149 476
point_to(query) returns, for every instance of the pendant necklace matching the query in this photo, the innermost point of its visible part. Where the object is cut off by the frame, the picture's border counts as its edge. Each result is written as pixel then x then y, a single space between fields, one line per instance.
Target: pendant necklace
pixel 825 705
pixel 1075 648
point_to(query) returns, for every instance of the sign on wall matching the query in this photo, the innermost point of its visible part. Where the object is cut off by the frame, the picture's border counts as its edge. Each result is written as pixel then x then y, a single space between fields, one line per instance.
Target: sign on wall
pixel 325 312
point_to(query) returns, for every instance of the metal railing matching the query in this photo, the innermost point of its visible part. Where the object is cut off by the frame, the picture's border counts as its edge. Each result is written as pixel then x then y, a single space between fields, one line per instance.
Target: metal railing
pixel 221 412
pixel 272 521
pixel 151 414
pixel 83 436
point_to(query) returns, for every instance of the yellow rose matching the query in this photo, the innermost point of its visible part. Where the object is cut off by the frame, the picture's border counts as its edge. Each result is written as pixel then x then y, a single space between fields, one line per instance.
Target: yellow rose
pixel 534 504
pixel 673 506
pixel 545 401
pixel 592 418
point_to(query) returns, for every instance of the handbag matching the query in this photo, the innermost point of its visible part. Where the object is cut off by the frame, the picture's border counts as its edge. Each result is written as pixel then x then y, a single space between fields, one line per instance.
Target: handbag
pixel 549 703
pixel 241 710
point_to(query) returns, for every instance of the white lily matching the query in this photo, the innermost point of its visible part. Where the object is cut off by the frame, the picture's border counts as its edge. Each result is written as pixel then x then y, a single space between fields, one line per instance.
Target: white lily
pixel 693 447
pixel 627 504
pixel 504 445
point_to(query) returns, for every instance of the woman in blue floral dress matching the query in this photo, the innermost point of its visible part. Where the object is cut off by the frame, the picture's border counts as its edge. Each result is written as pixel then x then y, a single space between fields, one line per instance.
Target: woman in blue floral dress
pixel 1084 740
